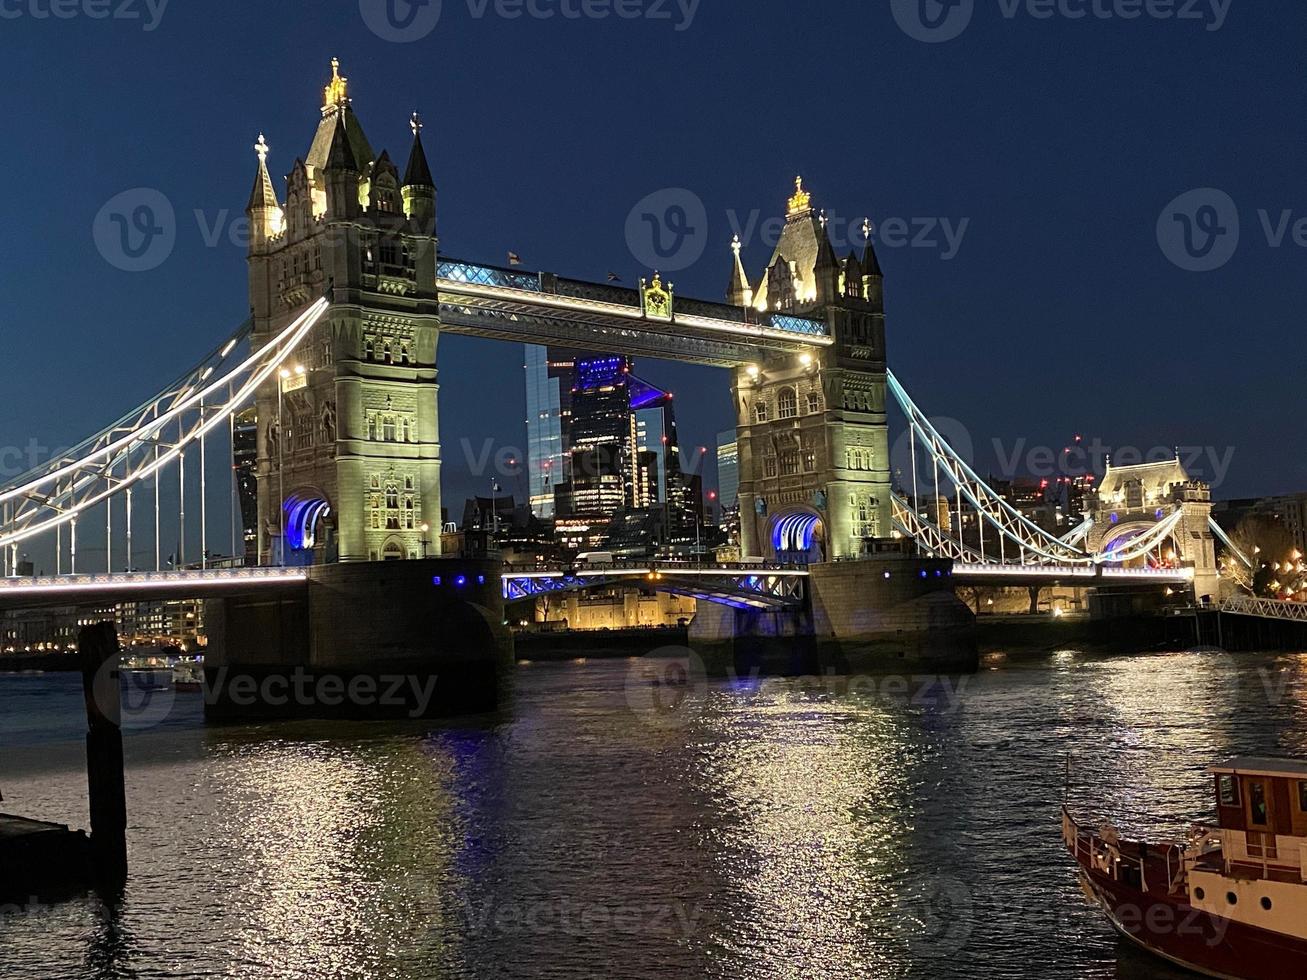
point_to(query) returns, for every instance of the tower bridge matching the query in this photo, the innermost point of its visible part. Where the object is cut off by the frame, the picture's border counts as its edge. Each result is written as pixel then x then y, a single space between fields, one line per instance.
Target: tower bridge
pixel 349 295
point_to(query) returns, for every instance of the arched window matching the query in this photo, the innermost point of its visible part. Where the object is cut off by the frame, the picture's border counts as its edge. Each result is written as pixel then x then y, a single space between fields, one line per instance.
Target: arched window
pixel 369 349
pixel 388 429
pixel 787 404
pixel 392 496
pixel 393 551
pixel 372 428
pixel 760 413
pixel 814 403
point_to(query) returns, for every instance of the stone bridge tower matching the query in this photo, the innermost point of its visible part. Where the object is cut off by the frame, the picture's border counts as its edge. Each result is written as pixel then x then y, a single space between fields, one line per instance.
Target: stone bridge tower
pixel 1132 500
pixel 348 437
pixel 813 431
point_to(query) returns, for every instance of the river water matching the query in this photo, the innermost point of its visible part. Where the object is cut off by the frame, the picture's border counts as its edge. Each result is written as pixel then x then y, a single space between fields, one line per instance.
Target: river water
pixel 612 824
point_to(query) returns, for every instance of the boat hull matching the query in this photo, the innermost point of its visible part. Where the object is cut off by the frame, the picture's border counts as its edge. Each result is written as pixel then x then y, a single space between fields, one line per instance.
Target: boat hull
pixel 1176 931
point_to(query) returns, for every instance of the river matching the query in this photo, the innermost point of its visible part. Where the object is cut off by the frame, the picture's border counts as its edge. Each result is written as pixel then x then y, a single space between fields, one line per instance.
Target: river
pixel 611 825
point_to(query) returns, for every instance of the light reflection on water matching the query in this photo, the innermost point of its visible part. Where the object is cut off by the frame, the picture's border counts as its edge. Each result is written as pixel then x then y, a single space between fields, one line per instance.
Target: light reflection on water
pixel 762 831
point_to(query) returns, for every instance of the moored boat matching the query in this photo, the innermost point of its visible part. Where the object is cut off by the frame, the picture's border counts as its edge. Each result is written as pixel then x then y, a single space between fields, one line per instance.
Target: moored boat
pixel 1231 901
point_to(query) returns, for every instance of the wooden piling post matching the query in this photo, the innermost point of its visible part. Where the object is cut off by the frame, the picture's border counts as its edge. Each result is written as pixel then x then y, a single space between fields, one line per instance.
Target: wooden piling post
pixel 98 647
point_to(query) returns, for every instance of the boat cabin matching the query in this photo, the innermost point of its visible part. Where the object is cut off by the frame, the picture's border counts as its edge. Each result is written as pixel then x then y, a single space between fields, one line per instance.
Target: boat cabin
pixel 1262 807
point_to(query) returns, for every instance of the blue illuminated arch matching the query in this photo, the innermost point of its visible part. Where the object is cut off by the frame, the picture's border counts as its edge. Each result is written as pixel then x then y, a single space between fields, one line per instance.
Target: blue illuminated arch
pixel 795 533
pixel 303 512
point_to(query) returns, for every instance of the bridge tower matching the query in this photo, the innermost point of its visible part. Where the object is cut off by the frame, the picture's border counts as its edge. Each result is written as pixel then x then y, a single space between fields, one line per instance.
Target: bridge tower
pixel 1132 501
pixel 813 431
pixel 348 437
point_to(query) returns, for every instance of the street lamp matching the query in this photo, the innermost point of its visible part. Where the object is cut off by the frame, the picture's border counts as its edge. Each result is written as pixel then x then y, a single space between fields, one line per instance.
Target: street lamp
pixel 425 529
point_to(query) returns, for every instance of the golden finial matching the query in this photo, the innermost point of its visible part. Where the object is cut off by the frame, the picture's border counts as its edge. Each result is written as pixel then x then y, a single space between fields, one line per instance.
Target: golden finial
pixel 801 202
pixel 261 148
pixel 736 246
pixel 415 124
pixel 336 92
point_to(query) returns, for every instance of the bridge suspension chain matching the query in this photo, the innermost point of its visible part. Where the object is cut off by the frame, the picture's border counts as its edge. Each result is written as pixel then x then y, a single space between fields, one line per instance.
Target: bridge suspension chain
pixel 141 444
pixel 1019 540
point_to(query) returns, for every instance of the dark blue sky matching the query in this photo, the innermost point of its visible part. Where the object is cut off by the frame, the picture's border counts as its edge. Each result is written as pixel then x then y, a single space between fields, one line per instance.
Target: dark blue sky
pixel 1060 141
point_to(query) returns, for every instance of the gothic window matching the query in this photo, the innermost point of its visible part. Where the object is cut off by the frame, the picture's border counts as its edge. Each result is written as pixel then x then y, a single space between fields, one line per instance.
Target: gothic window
pixel 408 483
pixel 787 404
pixel 389 254
pixel 369 349
pixel 372 428
pixel 760 413
pixel 392 506
pixel 403 353
pixel 1134 495
pixel 789 463
pixel 388 355
pixel 769 465
pixel 388 429
pixel 814 403
pixel 809 460
pixel 407 431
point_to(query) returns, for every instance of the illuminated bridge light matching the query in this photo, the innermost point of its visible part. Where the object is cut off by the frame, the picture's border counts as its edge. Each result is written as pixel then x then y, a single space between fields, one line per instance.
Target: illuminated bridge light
pixel 794 533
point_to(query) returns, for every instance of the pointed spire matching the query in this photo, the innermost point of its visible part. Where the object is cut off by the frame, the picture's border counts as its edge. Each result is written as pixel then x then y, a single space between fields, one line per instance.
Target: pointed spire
pixel 263 195
pixel 418 172
pixel 385 165
pixel 739 292
pixel 340 156
pixel 337 91
pixel 801 203
pixel 870 262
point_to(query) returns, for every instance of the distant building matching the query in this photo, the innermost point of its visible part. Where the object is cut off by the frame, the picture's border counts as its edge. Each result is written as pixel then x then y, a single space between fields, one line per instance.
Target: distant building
pixel 550 378
pixel 245 461
pixel 624 456
pixel 728 471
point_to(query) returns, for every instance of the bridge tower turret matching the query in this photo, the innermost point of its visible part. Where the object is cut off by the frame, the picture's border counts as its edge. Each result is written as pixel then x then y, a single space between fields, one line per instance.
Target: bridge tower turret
pixel 348 439
pixel 813 430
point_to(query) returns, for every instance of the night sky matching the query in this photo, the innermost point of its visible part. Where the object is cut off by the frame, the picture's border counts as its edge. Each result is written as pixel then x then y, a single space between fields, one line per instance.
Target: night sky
pixel 1059 142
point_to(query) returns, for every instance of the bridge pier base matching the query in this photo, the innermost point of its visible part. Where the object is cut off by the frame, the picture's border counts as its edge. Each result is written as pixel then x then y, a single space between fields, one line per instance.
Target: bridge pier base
pixel 408 639
pixel 884 614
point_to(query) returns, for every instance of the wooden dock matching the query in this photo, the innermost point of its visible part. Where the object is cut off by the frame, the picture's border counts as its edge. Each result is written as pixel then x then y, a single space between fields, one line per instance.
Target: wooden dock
pixel 37 858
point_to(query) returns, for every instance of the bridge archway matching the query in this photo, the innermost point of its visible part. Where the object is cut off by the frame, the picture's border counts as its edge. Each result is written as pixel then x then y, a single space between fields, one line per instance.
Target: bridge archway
pixel 308 531
pixel 798 536
pixel 1119 537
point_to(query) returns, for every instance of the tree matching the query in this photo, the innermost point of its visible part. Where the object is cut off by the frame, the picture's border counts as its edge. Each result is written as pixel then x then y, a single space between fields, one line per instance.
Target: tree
pixel 1267 543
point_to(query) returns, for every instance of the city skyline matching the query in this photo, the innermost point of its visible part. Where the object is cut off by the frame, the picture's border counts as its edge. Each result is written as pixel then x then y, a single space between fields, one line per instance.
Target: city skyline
pixel 1000 283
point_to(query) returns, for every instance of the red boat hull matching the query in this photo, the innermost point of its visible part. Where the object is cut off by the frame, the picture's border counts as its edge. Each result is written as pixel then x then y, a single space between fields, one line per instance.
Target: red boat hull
pixel 1184 935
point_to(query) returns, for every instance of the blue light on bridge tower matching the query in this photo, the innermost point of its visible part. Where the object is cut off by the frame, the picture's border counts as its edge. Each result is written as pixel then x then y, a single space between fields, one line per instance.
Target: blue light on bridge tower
pixel 794 534
pixel 302 517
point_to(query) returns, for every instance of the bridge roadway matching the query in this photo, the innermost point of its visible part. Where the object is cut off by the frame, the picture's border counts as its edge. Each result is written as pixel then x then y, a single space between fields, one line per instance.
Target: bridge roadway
pixel 107 589
pixel 754 585
pixel 543 308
